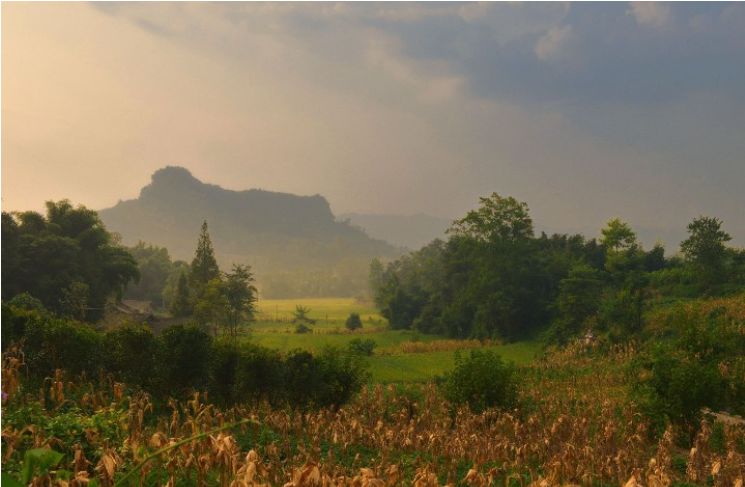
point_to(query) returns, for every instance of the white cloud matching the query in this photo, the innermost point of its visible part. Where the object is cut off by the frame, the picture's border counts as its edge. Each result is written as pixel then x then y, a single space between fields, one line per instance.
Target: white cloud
pixel 553 43
pixel 653 14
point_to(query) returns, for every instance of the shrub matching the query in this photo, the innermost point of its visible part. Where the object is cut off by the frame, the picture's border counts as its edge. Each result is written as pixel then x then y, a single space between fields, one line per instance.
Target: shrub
pixel 184 359
pixel 481 380
pixel 342 375
pixel 353 322
pixel 26 302
pixel 223 363
pixel 302 378
pixel 677 388
pixel 700 365
pixel 362 347
pixel 302 328
pixel 130 353
pixel 51 343
pixel 260 375
pixel 327 380
pixel 14 323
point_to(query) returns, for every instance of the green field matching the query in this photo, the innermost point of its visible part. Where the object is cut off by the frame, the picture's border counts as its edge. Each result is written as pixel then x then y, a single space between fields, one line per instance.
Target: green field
pixel 418 367
pixel 274 329
pixel 329 313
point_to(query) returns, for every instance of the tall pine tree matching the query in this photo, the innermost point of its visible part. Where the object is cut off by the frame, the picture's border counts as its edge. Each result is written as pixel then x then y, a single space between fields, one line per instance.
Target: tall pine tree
pixel 204 266
pixel 181 305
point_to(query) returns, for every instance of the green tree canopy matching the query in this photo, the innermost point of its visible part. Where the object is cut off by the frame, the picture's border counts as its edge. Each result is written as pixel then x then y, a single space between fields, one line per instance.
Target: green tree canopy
pixel 66 259
pixel 705 248
pixel 154 264
pixel 204 266
pixel 240 298
pixel 618 236
pixel 498 217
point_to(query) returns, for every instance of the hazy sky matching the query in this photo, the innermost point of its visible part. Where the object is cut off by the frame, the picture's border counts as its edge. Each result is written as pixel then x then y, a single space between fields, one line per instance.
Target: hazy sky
pixel 585 111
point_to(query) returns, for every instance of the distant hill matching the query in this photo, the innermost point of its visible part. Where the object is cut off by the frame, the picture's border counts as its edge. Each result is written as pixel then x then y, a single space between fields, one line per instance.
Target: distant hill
pixel 410 231
pixel 294 243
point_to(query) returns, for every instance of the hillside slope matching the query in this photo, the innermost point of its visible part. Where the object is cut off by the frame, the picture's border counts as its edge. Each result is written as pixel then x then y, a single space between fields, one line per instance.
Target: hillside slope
pixel 410 231
pixel 293 242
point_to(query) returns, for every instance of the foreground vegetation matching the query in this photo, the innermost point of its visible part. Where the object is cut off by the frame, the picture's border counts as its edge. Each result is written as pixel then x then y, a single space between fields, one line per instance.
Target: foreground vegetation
pixel 630 369
pixel 573 420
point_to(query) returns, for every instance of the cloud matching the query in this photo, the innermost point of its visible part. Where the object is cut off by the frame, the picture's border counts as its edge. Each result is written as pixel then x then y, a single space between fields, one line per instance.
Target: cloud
pixel 381 107
pixel 552 43
pixel 653 14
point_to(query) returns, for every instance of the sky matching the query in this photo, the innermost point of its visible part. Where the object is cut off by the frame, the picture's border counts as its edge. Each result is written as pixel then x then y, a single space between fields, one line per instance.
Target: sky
pixel 586 111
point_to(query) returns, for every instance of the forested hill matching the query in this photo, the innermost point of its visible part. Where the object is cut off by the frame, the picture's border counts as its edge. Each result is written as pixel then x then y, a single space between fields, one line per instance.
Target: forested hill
pixel 410 231
pixel 291 241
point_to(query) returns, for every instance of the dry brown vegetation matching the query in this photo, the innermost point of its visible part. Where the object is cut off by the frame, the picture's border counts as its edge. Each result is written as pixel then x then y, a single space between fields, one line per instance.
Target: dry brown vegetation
pixel 575 427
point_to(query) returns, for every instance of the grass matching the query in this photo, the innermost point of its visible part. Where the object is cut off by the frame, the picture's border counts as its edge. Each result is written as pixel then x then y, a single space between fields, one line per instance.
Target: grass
pixel 419 367
pixel 274 329
pixel 328 312
pixel 284 341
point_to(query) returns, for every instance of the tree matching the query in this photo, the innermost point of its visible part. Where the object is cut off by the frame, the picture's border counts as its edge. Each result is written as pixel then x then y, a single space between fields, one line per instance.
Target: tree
pixel 498 218
pixel 211 305
pixel 353 322
pixel 705 248
pixel 240 298
pixel 300 315
pixel 623 254
pixel 46 255
pixel 578 301
pixel 181 303
pixel 618 236
pixel 74 300
pixel 154 265
pixel 376 275
pixel 204 266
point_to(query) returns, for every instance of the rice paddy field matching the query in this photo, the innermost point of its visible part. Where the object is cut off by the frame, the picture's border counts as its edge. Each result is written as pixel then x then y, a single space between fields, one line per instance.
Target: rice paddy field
pixel 399 355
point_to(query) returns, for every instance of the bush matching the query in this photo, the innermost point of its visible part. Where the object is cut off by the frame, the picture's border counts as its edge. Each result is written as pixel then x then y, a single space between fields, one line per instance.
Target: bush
pixel 359 346
pixel 678 388
pixel 130 354
pixel 353 322
pixel 184 359
pixel 51 343
pixel 223 384
pixel 26 302
pixel 702 365
pixel 481 380
pixel 260 375
pixel 328 380
pixel 342 375
pixel 302 378
pixel 302 328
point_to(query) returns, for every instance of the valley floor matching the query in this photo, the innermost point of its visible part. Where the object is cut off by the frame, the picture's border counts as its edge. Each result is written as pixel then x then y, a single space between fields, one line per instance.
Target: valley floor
pixel 399 355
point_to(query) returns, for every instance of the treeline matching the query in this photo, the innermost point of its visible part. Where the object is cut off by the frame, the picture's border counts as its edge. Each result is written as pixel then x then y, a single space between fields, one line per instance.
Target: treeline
pixel 65 259
pixel 493 278
pixel 180 360
pixel 69 262
pixel 62 270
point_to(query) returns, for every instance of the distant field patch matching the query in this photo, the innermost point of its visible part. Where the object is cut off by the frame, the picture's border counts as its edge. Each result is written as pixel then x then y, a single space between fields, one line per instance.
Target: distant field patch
pixel 329 313
pixel 399 355
pixel 420 367
pixel 284 341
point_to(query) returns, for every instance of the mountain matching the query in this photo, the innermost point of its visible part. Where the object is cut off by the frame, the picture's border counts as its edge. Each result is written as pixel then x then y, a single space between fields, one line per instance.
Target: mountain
pixel 294 243
pixel 410 231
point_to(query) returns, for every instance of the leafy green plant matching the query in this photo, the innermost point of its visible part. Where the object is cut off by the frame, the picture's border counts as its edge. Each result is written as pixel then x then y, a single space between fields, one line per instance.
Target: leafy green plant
pixel 353 322
pixel 37 462
pixel 481 380
pixel 361 346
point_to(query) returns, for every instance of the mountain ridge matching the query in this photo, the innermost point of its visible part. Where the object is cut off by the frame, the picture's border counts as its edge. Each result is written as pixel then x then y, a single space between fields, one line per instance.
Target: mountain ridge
pixel 276 233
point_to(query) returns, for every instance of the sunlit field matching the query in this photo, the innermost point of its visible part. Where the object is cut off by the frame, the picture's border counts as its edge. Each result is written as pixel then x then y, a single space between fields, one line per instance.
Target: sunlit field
pixel 399 355
pixel 329 313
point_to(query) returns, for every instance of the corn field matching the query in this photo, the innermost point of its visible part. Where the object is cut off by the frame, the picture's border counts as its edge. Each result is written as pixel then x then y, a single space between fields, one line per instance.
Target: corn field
pixel 575 429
